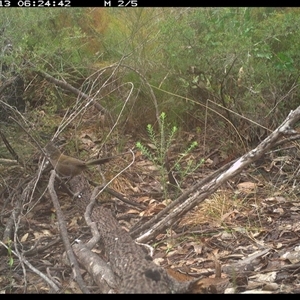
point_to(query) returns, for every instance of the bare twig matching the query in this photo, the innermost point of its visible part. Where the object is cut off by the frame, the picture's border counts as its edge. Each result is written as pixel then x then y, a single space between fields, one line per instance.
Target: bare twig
pixel 30 136
pixel 68 87
pixel 89 222
pixel 9 147
pixel 64 235
pixel 36 271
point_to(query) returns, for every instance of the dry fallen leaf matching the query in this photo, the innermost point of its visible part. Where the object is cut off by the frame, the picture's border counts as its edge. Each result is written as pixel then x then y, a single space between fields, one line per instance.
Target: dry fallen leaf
pixel 247 187
pixel 24 237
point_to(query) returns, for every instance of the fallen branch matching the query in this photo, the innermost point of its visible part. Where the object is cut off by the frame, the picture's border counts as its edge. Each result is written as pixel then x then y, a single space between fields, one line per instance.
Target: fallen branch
pixel 194 196
pixel 68 87
pixel 64 235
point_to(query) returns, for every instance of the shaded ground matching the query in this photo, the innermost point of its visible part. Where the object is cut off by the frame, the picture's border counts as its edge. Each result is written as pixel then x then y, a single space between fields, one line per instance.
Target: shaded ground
pixel 245 238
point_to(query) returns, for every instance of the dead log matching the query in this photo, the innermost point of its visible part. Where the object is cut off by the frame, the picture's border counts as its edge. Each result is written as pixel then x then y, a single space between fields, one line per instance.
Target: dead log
pixel 133 268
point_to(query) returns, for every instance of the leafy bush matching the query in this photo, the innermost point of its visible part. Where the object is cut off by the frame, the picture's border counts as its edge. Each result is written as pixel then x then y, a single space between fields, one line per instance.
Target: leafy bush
pixel 245 60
